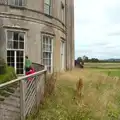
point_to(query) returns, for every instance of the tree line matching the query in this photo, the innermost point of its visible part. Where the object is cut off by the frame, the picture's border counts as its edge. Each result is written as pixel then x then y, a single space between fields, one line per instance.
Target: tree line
pixel 96 60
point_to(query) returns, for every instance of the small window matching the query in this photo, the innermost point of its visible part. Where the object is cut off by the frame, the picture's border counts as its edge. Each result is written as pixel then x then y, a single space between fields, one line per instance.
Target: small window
pixel 47 7
pixel 47 51
pixel 17 3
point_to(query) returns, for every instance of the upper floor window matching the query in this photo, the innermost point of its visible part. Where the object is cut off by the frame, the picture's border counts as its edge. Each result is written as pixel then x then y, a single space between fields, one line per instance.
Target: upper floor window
pixel 17 3
pixel 47 7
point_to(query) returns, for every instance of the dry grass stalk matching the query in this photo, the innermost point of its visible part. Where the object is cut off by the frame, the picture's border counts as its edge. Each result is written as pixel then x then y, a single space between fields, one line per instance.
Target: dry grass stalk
pixel 79 87
pixel 50 84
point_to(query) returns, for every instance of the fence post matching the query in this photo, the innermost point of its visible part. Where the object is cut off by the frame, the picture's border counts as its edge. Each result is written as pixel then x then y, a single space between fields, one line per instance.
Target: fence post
pixel 22 100
pixel 45 74
pixel 37 91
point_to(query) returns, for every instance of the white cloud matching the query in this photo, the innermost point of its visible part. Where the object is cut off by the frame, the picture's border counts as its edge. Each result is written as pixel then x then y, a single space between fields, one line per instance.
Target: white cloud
pixel 97 28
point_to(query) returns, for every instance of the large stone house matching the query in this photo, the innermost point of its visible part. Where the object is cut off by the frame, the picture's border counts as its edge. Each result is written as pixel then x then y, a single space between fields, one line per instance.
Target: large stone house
pixel 41 29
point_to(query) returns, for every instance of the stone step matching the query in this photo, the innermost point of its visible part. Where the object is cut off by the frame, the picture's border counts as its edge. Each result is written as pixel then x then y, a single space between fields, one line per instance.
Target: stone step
pixel 9 108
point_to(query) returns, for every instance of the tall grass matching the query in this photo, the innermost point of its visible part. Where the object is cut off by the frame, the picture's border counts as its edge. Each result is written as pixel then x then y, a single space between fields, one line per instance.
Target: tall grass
pixel 100 101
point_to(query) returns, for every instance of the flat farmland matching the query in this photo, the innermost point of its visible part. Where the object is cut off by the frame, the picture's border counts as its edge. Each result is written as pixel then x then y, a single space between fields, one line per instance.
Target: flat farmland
pixel 103 65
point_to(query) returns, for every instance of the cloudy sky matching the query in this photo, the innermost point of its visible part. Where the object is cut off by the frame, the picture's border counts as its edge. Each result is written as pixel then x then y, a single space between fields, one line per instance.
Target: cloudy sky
pixel 97 28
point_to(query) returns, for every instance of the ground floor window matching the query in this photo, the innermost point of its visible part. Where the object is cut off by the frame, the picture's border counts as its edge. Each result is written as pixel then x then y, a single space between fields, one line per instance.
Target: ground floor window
pixel 15 50
pixel 47 51
pixel 62 50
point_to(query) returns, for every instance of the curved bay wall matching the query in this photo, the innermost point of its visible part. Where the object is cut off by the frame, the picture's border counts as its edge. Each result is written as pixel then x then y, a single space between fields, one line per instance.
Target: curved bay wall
pixel 34 22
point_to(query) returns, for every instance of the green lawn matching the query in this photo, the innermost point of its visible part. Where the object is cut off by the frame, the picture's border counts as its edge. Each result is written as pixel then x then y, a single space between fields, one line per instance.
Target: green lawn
pixel 103 65
pixel 112 72
pixel 113 69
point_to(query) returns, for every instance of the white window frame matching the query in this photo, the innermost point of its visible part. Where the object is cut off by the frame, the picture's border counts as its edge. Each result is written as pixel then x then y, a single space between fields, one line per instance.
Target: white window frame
pixel 13 3
pixel 49 7
pixel 15 50
pixel 42 51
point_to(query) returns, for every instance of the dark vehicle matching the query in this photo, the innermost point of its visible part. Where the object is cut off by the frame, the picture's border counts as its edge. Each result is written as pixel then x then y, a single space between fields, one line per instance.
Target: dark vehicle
pixel 79 63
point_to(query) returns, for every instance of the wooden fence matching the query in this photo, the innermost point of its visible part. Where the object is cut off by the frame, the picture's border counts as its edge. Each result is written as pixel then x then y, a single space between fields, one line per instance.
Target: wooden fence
pixel 21 97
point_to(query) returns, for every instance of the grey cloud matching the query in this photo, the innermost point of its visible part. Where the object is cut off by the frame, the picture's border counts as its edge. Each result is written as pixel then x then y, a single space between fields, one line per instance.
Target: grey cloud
pixel 97 35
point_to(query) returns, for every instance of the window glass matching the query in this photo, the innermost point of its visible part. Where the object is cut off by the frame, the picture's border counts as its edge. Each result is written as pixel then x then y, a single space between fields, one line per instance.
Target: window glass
pixel 15 50
pixel 47 51
pixel 47 2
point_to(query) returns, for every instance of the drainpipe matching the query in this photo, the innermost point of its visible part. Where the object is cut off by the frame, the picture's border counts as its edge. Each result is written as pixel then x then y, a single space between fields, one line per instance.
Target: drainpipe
pixel 66 34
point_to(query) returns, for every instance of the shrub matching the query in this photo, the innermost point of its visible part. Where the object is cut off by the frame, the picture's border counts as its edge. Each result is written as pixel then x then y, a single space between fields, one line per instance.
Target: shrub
pixel 9 75
pixel 2 66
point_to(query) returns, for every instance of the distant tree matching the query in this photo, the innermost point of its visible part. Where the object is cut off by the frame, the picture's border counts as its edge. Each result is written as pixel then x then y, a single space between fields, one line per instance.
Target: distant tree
pixel 94 60
pixel 79 59
pixel 85 58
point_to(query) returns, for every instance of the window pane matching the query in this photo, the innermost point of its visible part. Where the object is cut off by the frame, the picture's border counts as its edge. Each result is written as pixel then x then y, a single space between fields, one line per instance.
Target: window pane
pixel 50 48
pixel 46 48
pixel 20 60
pixel 12 59
pixel 15 45
pixel 18 65
pixel 47 40
pixel 47 9
pixel 19 53
pixel 8 59
pixel 21 45
pixel 43 39
pixel 9 35
pixel 43 47
pixel 47 2
pixel 49 56
pixel 12 64
pixel 20 2
pixel 9 45
pixel 21 65
pixel 19 71
pixel 50 62
pixel 44 55
pixel 50 41
pixel 8 53
pixel 12 2
pixel 15 37
pixel 16 2
pixel 21 36
pixel 12 53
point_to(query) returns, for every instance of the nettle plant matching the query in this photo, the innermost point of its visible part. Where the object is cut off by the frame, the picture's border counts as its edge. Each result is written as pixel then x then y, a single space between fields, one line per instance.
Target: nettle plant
pixel 2 66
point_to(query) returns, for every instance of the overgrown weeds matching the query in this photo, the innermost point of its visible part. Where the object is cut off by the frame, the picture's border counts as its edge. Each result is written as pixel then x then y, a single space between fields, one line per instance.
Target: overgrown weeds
pixel 101 99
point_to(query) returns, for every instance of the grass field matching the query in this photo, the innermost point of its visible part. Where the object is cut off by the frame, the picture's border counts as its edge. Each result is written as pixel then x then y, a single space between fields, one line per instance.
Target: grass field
pixel 100 101
pixel 113 69
pixel 103 65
